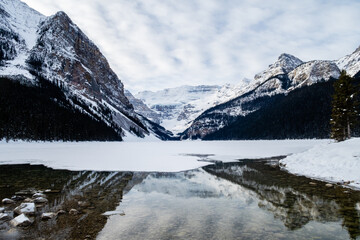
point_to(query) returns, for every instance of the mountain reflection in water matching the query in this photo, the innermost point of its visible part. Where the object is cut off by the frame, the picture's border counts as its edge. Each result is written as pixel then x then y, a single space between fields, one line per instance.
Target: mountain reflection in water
pixel 249 200
pixel 245 200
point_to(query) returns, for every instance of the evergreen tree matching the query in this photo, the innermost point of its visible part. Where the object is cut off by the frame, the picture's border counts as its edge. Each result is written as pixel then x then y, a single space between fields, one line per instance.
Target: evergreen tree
pixel 345 105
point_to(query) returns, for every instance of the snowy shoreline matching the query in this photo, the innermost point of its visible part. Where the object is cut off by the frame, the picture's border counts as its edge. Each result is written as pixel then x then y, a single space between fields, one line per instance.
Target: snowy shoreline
pixel 323 160
pixel 144 156
pixel 331 162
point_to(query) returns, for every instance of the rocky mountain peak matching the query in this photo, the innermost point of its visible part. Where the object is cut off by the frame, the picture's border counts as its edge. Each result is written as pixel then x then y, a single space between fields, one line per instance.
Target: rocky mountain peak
pixel 288 62
pixel 285 64
pixel 64 53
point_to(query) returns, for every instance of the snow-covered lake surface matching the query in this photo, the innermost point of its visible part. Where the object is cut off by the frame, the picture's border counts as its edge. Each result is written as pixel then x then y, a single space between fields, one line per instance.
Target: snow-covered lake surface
pixel 144 156
pixel 335 162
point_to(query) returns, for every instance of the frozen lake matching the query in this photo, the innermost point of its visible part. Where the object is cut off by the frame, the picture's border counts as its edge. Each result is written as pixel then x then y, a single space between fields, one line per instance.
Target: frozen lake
pixel 144 156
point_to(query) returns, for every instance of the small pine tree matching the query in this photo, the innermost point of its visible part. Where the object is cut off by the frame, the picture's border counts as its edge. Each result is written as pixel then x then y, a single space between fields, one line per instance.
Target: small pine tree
pixel 344 108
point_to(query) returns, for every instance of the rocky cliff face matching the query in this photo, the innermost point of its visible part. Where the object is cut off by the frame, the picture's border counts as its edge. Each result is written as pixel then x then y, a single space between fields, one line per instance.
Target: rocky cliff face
pixel 313 72
pixel 64 53
pixel 55 49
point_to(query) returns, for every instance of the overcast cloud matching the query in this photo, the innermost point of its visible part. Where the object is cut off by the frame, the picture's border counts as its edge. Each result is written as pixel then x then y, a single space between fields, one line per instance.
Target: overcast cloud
pixel 156 44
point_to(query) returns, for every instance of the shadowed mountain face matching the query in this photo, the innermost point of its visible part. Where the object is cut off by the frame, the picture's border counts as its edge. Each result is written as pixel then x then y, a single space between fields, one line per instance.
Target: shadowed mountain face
pixel 35 48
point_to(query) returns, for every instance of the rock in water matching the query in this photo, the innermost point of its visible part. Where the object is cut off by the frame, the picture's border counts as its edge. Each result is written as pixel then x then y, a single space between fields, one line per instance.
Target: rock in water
pixel 17 198
pixel 26 208
pixel 40 200
pixel 21 221
pixel 73 212
pixel 5 217
pixel 7 201
pixel 37 195
pixel 47 216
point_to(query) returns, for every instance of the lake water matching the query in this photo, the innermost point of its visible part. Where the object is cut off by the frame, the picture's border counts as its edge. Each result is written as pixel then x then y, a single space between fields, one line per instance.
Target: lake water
pixel 245 200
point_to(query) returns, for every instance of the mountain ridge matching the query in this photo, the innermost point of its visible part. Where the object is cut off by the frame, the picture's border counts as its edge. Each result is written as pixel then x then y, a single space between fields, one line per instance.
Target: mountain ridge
pixel 54 48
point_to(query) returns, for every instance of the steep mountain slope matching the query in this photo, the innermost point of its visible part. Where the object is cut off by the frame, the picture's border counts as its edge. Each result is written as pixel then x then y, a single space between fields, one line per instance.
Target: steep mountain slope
pixel 176 108
pixel 43 112
pixel 18 26
pixel 302 113
pixel 141 108
pixel 350 63
pixel 53 48
pixel 287 74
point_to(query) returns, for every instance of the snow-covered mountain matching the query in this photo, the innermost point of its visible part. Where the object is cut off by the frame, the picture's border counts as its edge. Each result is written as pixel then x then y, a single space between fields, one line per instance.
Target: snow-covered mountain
pixel 350 63
pixel 55 49
pixel 176 108
pixel 287 74
pixel 141 108
pixel 285 64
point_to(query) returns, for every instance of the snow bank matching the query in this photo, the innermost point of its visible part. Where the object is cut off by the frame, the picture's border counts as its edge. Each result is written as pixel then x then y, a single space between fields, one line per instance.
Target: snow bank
pixel 335 162
pixel 143 156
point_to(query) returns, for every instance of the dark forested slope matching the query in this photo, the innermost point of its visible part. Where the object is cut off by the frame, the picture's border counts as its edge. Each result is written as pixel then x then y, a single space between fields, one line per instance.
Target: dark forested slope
pixel 303 113
pixel 44 113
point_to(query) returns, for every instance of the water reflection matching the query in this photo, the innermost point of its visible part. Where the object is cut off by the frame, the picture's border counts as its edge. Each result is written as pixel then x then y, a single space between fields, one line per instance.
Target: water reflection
pixel 231 201
pixel 247 200
pixel 91 193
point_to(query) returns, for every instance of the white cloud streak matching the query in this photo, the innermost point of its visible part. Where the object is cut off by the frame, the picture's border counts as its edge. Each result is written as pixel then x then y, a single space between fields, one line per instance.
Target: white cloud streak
pixel 158 44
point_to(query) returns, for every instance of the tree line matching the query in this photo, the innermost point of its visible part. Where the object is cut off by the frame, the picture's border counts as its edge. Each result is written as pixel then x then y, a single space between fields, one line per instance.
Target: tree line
pixel 44 113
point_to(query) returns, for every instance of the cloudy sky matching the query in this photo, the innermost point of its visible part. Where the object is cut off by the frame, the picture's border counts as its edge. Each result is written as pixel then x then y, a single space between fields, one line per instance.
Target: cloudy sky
pixel 156 44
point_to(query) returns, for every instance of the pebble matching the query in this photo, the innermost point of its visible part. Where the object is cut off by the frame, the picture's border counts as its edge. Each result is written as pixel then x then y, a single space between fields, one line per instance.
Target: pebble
pixel 312 183
pixel 17 198
pixel 2 209
pixel 40 200
pixel 47 216
pixel 73 212
pixel 28 200
pixel 7 201
pixel 328 185
pixel 5 217
pixel 60 212
pixel 21 221
pixel 83 204
pixel 37 195
pixel 27 208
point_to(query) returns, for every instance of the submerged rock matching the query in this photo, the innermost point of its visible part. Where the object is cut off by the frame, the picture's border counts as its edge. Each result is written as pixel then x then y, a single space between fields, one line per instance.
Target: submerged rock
pixel 26 208
pixel 7 201
pixel 28 200
pixel 39 194
pixel 73 212
pixel 40 200
pixel 5 217
pixel 26 192
pixel 17 198
pixel 60 212
pixel 47 216
pixel 83 204
pixel 2 209
pixel 21 221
